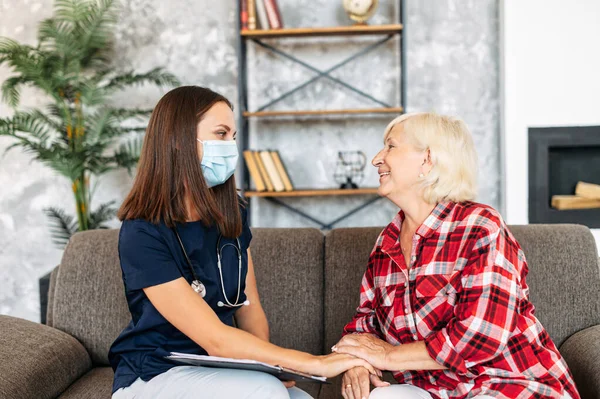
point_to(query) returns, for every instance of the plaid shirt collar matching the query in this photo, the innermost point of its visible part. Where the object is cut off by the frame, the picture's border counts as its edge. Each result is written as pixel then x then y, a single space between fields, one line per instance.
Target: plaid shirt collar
pixel 390 237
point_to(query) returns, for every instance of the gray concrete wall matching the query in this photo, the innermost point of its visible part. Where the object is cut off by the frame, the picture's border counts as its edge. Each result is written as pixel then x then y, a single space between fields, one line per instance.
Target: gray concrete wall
pixel 452 67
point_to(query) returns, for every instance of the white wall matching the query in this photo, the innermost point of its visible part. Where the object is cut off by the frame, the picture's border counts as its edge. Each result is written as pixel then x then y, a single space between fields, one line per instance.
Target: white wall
pixel 551 77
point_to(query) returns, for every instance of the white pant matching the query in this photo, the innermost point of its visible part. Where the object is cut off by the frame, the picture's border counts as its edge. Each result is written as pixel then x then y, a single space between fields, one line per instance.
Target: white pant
pixel 184 382
pixel 406 391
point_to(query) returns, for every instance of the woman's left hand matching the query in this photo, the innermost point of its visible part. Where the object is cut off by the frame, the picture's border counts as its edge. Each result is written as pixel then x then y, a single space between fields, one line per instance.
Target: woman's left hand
pixel 366 346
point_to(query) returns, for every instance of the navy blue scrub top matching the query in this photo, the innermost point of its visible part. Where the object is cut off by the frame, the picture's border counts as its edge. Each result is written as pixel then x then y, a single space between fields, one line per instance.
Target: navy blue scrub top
pixel 150 255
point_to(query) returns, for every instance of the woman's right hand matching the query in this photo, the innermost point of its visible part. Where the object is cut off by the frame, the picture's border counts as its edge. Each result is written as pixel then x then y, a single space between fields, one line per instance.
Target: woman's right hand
pixel 356 383
pixel 336 363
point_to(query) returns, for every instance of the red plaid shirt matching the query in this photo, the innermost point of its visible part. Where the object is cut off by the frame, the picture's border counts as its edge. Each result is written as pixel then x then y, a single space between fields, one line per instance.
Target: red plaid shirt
pixel 465 295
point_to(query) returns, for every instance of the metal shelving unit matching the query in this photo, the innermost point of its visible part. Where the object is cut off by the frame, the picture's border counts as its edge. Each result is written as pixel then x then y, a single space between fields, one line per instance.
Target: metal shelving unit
pixel 259 37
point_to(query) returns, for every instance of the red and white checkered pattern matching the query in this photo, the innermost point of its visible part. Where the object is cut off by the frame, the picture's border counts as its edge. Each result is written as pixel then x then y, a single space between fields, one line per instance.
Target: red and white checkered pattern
pixel 465 295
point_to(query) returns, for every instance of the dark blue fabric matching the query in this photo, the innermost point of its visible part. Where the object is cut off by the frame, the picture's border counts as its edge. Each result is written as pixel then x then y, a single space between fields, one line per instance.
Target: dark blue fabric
pixel 150 255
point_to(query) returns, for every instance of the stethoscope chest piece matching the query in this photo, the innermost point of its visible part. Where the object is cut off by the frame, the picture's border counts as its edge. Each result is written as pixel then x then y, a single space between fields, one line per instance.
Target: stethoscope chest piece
pixel 199 288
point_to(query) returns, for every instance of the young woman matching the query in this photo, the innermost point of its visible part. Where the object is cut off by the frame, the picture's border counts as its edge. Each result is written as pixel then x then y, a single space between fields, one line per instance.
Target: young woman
pixel 187 268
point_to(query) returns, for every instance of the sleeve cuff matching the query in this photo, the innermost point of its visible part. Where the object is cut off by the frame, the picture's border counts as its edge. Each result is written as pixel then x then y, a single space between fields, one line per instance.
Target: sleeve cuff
pixel 361 325
pixel 440 348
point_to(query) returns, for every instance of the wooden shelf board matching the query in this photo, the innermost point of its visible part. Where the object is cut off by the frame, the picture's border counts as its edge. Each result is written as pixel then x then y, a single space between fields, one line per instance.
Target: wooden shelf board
pixel 311 193
pixel 332 31
pixel 263 114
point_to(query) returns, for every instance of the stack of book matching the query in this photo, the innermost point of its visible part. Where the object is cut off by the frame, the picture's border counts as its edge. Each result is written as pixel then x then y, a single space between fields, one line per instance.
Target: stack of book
pixel 267 171
pixel 263 14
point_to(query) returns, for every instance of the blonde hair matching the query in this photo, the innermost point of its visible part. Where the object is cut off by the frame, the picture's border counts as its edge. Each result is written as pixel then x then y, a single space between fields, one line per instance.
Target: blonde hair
pixel 453 176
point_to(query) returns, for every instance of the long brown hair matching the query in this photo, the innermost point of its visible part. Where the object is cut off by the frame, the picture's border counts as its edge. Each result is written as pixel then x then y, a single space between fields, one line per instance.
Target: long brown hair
pixel 169 168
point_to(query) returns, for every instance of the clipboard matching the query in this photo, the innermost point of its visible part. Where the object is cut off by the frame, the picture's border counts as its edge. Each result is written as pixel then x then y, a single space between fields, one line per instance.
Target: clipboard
pixel 242 364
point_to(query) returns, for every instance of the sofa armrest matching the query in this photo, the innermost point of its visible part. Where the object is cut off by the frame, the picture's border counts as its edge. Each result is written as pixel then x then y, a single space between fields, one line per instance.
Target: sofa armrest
pixel 37 361
pixel 582 354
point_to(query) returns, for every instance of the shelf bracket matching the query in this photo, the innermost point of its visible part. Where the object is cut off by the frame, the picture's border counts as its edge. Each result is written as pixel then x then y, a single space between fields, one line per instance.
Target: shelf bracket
pixel 323 225
pixel 323 74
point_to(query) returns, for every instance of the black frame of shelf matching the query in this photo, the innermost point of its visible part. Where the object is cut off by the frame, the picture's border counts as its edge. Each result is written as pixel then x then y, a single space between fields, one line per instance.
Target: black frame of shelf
pixel 243 120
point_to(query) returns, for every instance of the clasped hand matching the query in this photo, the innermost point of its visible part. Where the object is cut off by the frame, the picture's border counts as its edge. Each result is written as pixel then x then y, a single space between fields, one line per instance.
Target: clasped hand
pixel 356 382
pixel 366 346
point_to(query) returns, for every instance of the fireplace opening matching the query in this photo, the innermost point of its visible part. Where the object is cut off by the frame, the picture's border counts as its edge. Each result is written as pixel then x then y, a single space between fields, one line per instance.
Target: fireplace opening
pixel 559 157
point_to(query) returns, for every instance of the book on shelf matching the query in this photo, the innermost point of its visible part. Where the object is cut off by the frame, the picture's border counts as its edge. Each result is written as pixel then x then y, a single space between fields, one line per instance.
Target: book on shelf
pixel 253 170
pixel 251 15
pixel 273 14
pixel 272 171
pixel 282 171
pixel 244 14
pixel 267 171
pixel 261 14
pixel 263 171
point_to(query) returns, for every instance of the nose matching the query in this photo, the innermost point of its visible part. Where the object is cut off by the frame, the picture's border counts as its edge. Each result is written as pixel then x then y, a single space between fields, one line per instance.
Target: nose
pixel 378 160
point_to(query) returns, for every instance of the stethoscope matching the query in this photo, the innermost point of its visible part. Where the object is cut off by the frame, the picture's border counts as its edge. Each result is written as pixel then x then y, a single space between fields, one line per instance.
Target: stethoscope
pixel 201 289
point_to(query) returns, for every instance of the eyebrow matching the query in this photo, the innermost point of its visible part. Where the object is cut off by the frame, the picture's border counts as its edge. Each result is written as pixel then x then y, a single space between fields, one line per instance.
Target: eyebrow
pixel 224 126
pixel 227 128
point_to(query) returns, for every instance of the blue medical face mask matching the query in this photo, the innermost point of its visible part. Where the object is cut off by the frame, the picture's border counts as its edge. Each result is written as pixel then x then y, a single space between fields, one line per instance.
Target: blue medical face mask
pixel 219 159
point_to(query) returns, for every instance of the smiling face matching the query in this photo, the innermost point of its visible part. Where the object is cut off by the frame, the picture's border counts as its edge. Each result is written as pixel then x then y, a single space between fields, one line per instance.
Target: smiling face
pixel 218 123
pixel 399 165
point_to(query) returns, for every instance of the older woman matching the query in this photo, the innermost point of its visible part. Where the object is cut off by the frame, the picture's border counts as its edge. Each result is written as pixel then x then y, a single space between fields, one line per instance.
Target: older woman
pixel 444 303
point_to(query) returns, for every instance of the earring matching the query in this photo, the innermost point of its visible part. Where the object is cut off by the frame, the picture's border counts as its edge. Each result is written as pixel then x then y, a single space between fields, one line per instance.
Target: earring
pixel 421 175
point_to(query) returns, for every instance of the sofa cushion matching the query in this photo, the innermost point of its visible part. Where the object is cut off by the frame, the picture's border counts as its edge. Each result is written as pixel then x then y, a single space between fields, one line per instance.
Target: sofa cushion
pixel 37 361
pixel 582 353
pixel 347 252
pixel 89 297
pixel 563 276
pixel 96 384
pixel 288 265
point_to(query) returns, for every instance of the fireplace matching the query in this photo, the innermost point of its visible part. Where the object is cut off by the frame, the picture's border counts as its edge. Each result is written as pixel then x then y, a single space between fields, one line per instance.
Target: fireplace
pixel 559 157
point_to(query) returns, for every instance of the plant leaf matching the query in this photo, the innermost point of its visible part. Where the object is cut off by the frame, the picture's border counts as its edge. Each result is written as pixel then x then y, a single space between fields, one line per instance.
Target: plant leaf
pixel 156 76
pixel 10 90
pixel 62 226
pixel 102 214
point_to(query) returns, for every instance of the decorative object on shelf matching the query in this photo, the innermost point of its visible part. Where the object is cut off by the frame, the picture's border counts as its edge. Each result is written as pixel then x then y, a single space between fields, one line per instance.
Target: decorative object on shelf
pixel 360 10
pixel 80 134
pixel 349 170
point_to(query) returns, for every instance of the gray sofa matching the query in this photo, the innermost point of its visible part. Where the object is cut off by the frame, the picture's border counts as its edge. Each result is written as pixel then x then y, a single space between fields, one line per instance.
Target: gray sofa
pixel 309 284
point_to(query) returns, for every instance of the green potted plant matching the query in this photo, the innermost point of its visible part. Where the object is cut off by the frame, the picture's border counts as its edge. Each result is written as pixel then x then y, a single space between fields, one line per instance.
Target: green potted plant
pixel 80 135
